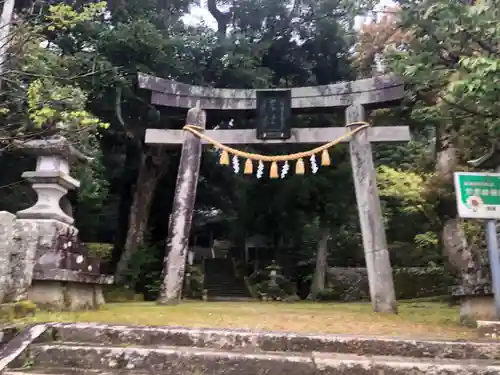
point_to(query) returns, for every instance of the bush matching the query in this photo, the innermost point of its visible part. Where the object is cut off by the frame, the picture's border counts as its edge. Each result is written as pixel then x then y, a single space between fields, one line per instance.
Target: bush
pixel 421 282
pixel 261 284
pixel 101 251
pixel 328 294
pixel 351 284
pixel 144 274
pixel 119 293
pixel 194 287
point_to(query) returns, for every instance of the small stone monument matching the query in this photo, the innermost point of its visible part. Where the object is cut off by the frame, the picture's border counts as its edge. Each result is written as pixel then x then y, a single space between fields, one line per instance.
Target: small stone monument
pixel 41 239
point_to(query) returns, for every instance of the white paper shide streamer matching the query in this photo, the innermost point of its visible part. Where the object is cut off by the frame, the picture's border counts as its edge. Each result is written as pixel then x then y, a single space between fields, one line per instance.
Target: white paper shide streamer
pixel 285 169
pixel 236 164
pixel 260 169
pixel 314 165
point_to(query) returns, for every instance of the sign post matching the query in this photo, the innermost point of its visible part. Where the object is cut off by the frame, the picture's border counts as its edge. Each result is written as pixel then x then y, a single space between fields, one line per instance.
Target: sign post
pixel 478 197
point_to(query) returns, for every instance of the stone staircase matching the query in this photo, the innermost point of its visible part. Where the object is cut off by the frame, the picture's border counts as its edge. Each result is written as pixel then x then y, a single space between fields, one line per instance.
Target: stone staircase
pixel 221 283
pixel 85 349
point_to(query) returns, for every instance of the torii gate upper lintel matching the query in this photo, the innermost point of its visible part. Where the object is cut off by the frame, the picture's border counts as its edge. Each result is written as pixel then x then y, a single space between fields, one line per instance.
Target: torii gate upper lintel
pixel 354 97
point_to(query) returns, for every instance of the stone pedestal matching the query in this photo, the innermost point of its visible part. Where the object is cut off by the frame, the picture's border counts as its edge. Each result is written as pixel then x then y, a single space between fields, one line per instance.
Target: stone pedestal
pixel 7 222
pixel 476 303
pixel 38 244
pixel 488 329
pixel 68 290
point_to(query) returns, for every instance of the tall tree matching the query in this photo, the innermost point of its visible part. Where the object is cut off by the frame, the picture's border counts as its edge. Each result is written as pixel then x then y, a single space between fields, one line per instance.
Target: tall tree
pixel 445 52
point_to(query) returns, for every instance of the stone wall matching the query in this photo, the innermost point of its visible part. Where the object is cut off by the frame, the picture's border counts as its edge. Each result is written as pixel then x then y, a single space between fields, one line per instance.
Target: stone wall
pixel 351 284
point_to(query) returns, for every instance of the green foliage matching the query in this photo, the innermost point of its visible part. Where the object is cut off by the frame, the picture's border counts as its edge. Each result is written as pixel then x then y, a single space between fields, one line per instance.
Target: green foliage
pixel 59 105
pixel 476 235
pixel 194 289
pixel 407 187
pixel 42 73
pixel 93 198
pixel 406 196
pixel 119 293
pixel 328 294
pixel 451 64
pixel 64 17
pixel 100 251
pixel 260 282
pixel 144 273
pixel 427 241
pixel 472 71
pixel 425 282
pixel 410 283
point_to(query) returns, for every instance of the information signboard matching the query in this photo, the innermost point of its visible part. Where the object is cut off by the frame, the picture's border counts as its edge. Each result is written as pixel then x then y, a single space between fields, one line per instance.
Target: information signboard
pixel 478 195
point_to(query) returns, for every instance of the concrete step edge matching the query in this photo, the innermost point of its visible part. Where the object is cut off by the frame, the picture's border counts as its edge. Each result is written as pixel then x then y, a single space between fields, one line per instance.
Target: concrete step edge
pixel 232 339
pixel 183 360
pixel 66 371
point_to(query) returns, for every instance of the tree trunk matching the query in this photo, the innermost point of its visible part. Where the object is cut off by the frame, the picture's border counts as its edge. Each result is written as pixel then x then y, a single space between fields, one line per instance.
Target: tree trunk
pixel 151 169
pixel 221 18
pixel 460 255
pixel 319 277
pixel 453 238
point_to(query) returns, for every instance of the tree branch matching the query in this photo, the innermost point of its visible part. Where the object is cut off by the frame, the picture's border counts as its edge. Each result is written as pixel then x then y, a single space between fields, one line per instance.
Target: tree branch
pixel 118 106
pixel 221 18
pixel 467 110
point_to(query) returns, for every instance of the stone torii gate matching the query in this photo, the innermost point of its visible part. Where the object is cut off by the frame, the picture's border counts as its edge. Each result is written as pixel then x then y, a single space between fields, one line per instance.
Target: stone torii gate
pixel 354 97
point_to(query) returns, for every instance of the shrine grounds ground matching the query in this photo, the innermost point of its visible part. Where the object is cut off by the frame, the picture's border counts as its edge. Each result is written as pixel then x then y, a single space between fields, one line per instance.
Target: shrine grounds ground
pixel 417 319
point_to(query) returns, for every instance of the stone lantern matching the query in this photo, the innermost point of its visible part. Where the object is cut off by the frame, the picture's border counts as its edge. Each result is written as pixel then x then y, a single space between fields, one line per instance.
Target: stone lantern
pixel 41 258
pixel 51 180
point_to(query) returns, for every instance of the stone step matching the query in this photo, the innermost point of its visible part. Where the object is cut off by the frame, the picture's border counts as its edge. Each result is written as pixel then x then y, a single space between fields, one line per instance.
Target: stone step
pixel 68 371
pixel 198 361
pixel 64 371
pixel 227 339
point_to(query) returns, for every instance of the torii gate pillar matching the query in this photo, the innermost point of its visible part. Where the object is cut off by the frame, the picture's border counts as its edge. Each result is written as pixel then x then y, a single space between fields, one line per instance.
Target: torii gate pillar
pixel 378 264
pixel 179 224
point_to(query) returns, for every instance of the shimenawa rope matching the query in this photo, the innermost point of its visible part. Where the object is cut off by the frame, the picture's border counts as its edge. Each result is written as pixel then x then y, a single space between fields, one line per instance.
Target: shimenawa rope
pixel 273 159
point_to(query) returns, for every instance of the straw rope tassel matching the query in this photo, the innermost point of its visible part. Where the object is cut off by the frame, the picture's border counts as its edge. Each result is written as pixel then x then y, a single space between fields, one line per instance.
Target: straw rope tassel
pixel 273 173
pixel 299 167
pixel 224 158
pixel 248 167
pixel 325 158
